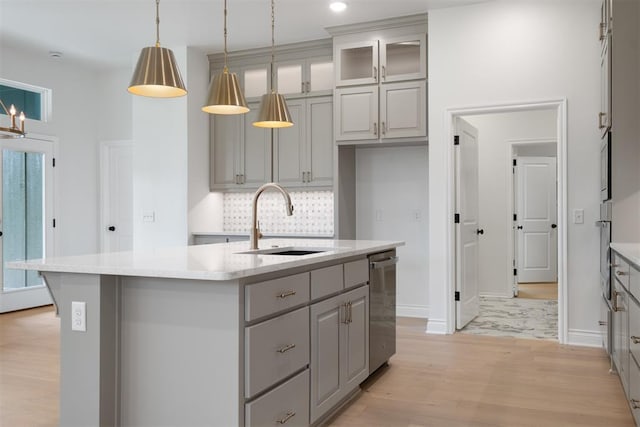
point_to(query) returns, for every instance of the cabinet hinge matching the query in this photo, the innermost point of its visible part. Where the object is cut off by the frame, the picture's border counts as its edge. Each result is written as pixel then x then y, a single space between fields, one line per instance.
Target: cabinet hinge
pixel 456 218
pixel 457 295
pixel 456 140
pixel 53 162
pixel 54 223
pixel 515 162
pixel 515 217
pixel 515 271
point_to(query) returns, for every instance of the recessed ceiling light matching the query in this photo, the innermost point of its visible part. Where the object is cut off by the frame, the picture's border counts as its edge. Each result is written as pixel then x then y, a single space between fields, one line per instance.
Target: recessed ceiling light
pixel 338 6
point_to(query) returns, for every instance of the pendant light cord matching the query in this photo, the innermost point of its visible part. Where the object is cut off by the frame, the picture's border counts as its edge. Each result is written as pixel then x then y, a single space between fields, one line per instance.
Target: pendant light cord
pixel 225 36
pixel 157 23
pixel 273 43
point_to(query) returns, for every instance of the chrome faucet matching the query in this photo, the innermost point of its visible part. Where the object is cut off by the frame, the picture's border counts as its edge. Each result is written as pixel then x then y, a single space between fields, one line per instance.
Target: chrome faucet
pixel 255 229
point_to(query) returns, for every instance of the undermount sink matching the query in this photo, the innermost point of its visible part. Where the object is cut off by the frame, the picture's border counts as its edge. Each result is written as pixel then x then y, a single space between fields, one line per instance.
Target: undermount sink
pixel 287 251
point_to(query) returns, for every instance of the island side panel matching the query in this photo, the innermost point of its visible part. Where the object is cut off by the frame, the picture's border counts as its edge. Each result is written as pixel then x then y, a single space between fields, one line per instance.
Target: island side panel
pixel 180 352
pixel 87 359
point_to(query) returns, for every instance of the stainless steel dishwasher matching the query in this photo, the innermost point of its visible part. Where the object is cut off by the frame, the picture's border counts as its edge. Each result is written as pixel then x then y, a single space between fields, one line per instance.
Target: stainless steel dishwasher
pixel 382 308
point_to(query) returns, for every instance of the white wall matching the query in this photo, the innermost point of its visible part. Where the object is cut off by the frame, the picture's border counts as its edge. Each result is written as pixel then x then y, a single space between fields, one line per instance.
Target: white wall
pixel 504 51
pixel 391 204
pixel 495 175
pixel 76 101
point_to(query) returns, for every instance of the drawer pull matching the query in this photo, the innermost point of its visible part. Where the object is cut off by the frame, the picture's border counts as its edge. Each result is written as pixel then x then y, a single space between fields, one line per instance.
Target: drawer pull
pixel 635 340
pixel 635 404
pixel 286 294
pixel 620 273
pixel 287 348
pixel 286 417
pixel 602 323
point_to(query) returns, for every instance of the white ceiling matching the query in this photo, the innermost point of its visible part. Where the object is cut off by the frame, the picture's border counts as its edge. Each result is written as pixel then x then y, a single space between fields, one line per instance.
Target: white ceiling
pixel 114 31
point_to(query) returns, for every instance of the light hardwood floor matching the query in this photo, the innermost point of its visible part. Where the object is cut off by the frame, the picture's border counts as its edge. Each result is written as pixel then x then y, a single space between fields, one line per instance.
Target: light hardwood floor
pixel 538 290
pixel 450 381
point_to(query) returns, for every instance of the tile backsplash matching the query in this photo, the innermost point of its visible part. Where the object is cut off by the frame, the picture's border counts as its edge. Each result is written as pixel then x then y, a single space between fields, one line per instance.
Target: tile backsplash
pixel 312 213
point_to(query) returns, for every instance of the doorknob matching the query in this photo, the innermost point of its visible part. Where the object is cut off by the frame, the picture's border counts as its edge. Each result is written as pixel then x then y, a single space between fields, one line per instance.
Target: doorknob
pixel 480 231
pixel 519 227
pixel 111 228
pixel 554 225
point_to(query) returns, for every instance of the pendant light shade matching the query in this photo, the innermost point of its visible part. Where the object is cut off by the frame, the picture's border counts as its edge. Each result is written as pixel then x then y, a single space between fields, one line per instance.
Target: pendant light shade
pixel 157 74
pixel 225 94
pixel 273 108
pixel 273 112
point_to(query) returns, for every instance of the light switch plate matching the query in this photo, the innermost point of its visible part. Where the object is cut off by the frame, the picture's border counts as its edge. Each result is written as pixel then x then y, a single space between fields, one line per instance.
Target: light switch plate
pixel 578 216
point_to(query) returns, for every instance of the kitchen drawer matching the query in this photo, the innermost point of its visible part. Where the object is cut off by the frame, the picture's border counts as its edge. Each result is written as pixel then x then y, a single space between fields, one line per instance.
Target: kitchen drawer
pixel 272 296
pixel 275 349
pixel 287 404
pixel 634 390
pixel 620 269
pixel 634 328
pixel 356 273
pixel 326 281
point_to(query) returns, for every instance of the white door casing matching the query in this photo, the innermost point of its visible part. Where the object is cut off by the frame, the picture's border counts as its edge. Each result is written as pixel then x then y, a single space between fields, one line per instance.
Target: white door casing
pixel 116 224
pixel 536 225
pixel 467 228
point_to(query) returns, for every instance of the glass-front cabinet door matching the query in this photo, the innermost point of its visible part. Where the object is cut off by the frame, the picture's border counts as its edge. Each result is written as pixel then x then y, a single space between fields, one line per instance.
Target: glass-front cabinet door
pixel 26 220
pixel 403 58
pixel 356 63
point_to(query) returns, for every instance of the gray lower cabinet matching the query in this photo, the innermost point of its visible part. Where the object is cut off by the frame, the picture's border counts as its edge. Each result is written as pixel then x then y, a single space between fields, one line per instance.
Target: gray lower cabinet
pixel 287 404
pixel 339 348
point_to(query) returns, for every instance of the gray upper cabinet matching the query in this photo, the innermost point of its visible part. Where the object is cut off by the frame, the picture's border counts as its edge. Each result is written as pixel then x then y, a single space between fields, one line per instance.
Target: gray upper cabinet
pixel 305 77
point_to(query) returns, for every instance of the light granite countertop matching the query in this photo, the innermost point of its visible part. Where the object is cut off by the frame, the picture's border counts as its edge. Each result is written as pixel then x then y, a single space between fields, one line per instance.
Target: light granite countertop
pixel 631 251
pixel 222 261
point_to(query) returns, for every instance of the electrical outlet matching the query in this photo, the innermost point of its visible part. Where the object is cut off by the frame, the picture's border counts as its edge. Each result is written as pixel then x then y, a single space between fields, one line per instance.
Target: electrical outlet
pixel 578 216
pixel 149 217
pixel 79 316
pixel 417 215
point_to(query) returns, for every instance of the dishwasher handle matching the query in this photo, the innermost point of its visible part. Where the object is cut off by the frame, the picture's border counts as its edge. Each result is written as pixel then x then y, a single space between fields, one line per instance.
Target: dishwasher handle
pixel 384 263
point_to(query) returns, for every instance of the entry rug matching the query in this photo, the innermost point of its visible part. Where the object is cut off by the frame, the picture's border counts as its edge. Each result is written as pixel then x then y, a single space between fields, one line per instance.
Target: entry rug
pixel 516 317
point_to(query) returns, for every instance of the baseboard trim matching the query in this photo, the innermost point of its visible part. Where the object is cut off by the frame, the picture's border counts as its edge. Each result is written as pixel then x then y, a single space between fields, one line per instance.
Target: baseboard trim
pixel 436 326
pixel 584 338
pixel 420 311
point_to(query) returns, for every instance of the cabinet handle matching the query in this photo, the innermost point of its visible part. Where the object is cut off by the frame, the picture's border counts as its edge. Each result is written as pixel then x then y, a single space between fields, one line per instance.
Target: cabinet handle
pixel 301 87
pixel 350 306
pixel 286 294
pixel 375 73
pixel 346 313
pixel 603 27
pixel 383 128
pixel 600 121
pixel 308 87
pixel 635 340
pixel 602 323
pixel 615 301
pixel 635 404
pixel 614 265
pixel 620 273
pixel 375 129
pixel 286 418
pixel 286 348
pixel 384 73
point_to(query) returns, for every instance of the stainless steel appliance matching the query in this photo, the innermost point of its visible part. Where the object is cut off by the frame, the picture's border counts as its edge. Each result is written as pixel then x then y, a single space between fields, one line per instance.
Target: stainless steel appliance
pixel 605 274
pixel 382 308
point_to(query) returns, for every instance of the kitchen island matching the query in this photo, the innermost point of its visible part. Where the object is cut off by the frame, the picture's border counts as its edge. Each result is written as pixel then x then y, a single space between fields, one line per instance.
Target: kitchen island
pixel 214 335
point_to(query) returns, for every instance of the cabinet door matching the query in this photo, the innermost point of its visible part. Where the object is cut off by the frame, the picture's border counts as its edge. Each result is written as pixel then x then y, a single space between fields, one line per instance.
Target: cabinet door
pixel 356 63
pixel 312 76
pixel 255 81
pixel 620 352
pixel 255 153
pixel 327 319
pixel 291 78
pixel 604 117
pixel 225 151
pixel 403 58
pixel 320 76
pixel 355 341
pixel 403 110
pixel 289 150
pixel 319 145
pixel 356 113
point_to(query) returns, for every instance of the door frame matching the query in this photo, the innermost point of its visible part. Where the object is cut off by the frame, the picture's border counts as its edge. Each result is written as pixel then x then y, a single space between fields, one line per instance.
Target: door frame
pixel 105 147
pixel 512 144
pixel 560 106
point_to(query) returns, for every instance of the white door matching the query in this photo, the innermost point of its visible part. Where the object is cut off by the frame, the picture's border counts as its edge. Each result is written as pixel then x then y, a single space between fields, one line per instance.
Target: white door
pixel 117 197
pixel 536 225
pixel 467 227
pixel 26 218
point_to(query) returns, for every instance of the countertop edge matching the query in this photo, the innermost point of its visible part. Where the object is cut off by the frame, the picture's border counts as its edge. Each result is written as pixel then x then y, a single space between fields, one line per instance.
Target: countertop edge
pixel 630 251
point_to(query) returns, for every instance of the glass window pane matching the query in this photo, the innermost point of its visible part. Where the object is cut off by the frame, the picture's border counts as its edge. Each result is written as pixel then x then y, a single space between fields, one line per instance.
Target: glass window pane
pixel 24 100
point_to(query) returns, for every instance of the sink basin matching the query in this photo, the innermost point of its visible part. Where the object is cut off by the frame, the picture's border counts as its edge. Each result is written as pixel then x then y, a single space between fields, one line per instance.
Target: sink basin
pixel 287 251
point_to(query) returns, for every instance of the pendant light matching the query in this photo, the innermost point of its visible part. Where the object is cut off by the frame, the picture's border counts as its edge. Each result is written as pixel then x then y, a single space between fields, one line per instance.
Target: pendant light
pixel 273 109
pixel 225 94
pixel 157 74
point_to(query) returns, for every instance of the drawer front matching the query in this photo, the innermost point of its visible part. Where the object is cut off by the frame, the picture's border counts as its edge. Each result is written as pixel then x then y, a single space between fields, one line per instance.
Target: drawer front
pixel 634 390
pixel 326 281
pixel 634 328
pixel 356 273
pixel 620 270
pixel 286 405
pixel 272 296
pixel 275 349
